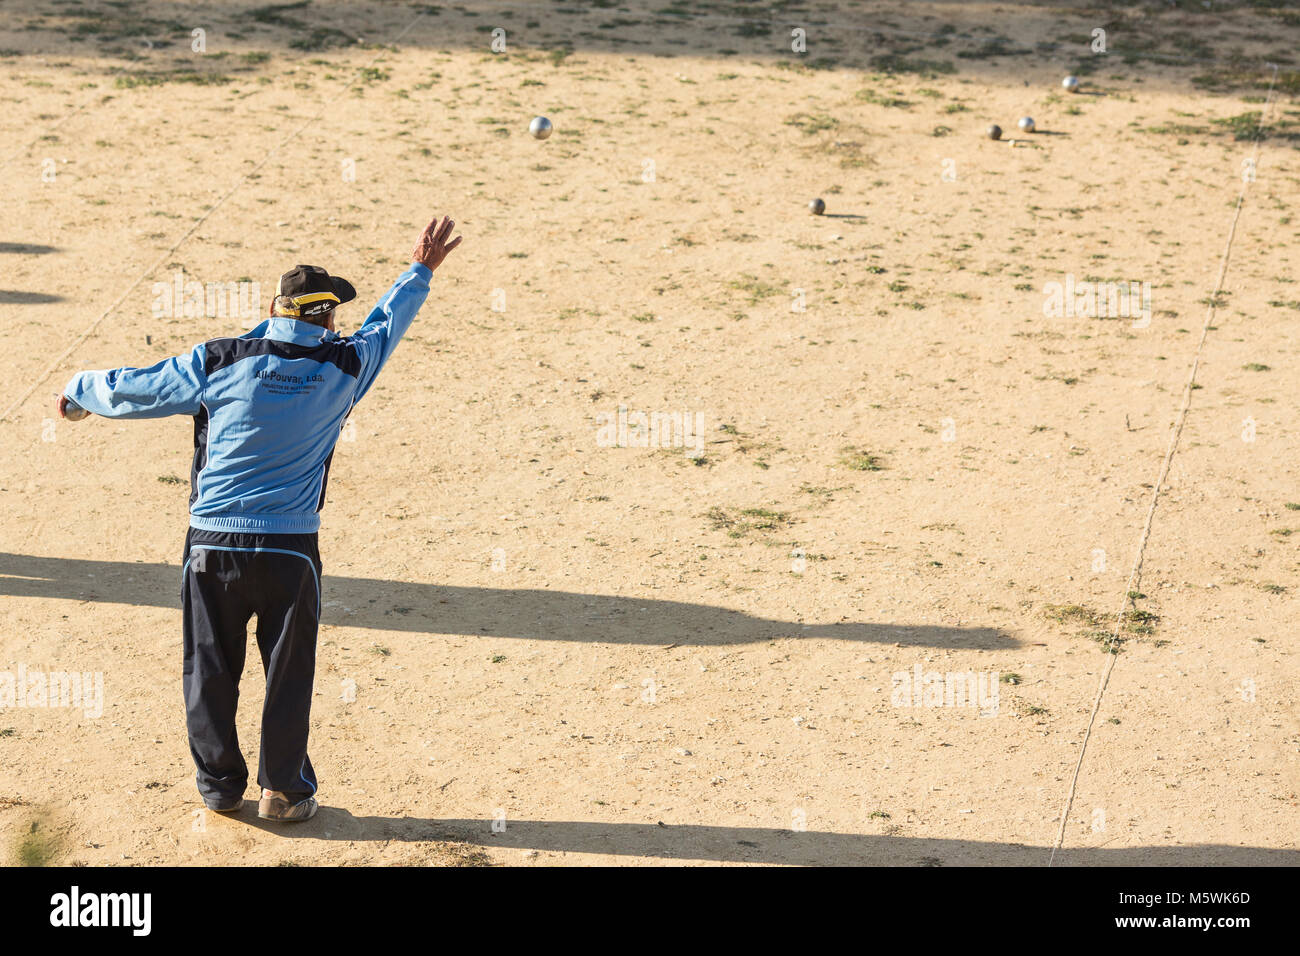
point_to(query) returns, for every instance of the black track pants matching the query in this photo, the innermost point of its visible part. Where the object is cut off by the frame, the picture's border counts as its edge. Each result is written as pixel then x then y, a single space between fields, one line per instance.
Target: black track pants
pixel 227 579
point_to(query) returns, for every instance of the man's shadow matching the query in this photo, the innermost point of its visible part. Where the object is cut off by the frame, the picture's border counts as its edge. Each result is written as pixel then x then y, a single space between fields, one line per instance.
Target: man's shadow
pixel 15 297
pixel 729 844
pixel 18 297
pixel 532 613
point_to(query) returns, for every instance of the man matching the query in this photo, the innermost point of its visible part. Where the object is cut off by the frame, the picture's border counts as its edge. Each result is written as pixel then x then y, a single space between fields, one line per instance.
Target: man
pixel 268 408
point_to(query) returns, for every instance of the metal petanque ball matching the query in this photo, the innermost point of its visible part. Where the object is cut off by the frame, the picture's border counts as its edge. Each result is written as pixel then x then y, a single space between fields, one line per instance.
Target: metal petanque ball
pixel 994 131
pixel 1026 124
pixel 1071 84
pixel 817 207
pixel 540 127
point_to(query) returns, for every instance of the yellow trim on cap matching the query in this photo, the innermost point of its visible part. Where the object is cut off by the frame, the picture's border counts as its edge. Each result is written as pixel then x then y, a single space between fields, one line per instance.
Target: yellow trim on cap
pixel 311 297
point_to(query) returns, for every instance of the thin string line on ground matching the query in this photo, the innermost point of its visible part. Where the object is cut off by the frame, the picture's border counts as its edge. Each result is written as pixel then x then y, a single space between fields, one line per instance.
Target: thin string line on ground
pixel 90 329
pixel 1135 575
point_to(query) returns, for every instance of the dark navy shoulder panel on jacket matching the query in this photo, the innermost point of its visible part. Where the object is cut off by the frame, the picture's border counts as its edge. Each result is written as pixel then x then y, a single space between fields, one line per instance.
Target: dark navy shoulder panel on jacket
pixel 220 353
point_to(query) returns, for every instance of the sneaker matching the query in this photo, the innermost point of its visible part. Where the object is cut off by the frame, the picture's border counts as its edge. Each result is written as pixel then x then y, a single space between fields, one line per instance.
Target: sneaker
pixel 224 804
pixel 275 805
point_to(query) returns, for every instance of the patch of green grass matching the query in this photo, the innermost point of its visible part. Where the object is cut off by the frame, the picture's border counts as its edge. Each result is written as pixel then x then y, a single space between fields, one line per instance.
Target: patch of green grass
pixel 755 288
pixel 820 491
pixel 1073 614
pixel 36 846
pixel 1110 642
pixel 740 522
pixel 1244 126
pixel 861 460
pixel 1177 129
pixel 1243 74
pixel 129 81
pixel 1139 621
pixel 894 63
pixel 764 519
pixel 810 123
pixel 878 99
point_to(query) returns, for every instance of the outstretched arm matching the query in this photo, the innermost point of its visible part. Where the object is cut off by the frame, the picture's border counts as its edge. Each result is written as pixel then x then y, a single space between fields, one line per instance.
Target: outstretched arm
pixel 172 387
pixel 392 316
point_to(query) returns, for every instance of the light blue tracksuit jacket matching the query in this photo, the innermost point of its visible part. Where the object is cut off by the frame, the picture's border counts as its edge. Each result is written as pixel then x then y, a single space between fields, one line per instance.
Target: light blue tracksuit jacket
pixel 268 408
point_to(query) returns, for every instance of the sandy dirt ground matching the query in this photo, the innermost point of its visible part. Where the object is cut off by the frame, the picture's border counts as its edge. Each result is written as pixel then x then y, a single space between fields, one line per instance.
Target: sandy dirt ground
pixel 539 649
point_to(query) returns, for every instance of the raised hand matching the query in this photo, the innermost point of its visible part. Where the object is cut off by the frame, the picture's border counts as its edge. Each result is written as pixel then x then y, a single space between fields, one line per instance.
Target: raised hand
pixel 432 246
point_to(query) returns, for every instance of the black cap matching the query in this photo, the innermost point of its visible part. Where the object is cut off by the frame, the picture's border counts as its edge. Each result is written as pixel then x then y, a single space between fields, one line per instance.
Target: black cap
pixel 313 290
